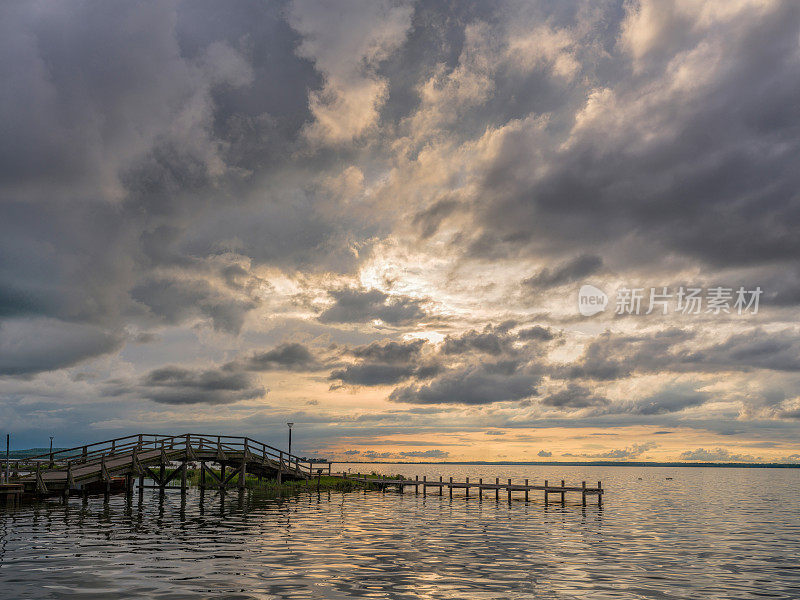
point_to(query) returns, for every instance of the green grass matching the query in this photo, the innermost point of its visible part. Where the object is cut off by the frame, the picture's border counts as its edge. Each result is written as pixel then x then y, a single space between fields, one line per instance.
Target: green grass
pixel 286 487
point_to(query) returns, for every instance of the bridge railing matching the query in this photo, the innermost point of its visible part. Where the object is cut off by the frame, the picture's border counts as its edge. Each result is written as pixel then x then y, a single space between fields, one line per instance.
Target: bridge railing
pixel 95 453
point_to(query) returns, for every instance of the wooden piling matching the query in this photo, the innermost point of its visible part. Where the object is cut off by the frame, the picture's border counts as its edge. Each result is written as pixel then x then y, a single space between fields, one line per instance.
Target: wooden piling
pixel 583 494
pixel 546 493
pixel 526 490
pixel 480 489
pixel 562 493
pixel 497 489
pixel 509 491
pixel 451 487
pixel 467 488
pixel 441 487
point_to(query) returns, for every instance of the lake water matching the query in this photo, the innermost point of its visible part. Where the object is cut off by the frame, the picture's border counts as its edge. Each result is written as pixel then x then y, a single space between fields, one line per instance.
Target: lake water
pixel 706 533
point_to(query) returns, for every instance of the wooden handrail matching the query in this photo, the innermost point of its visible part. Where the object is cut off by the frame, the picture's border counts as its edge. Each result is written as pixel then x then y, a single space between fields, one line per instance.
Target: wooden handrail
pixel 88 454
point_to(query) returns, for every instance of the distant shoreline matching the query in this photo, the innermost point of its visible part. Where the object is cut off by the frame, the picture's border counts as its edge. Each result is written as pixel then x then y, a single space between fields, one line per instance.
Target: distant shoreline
pixel 596 463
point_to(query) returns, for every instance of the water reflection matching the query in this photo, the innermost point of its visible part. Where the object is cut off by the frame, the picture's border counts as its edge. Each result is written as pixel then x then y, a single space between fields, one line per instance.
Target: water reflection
pixel 711 536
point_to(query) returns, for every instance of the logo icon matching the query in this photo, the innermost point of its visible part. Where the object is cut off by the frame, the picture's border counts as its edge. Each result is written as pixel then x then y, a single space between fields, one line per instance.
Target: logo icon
pixel 591 300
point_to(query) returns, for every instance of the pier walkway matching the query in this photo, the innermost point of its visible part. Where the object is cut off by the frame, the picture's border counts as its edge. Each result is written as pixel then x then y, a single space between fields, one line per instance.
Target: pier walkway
pixel 103 466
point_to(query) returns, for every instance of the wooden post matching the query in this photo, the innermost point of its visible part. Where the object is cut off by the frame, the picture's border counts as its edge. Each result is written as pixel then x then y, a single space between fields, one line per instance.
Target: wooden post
pixel 424 485
pixel 83 454
pixel 467 488
pixel 546 492
pixel 526 490
pixel 497 489
pixel 480 488
pixel 583 493
pixel 202 474
pixel 183 477
pixel 451 487
pixel 599 493
pixel 562 493
pixel 280 467
pixel 243 467
pixel 383 483
pixel 509 491
pixel 416 484
pixel 222 477
pixel 441 486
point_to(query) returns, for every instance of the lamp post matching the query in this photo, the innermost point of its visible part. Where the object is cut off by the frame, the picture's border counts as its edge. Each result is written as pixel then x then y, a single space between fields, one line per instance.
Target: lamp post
pixel 290 437
pixel 51 443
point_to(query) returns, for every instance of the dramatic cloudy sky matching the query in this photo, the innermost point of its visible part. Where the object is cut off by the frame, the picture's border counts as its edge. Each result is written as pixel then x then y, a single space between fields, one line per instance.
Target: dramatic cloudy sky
pixel 373 219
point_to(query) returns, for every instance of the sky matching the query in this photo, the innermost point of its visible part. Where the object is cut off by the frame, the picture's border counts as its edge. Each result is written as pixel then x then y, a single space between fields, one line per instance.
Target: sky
pixel 380 221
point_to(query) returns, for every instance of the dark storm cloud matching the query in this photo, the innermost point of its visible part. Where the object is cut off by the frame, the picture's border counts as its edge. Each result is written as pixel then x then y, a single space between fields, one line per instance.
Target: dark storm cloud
pixel 538 333
pixel 231 382
pixel 146 160
pixel 372 374
pixel 387 362
pixel 610 357
pixel 474 385
pixel 668 401
pixel 573 397
pixel 28 346
pixel 177 385
pixel 487 341
pixel 428 220
pixel 362 306
pixel 699 186
pixel 173 301
pixel 290 356
pixel 389 352
pixel 573 270
pixel 756 349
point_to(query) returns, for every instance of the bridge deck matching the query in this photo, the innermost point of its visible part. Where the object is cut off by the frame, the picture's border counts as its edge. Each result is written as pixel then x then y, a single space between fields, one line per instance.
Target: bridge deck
pixel 76 469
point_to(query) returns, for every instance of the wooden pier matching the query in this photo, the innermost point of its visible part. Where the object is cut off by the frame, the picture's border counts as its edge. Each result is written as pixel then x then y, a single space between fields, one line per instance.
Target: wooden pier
pixel 115 464
pixel 10 494
pixel 505 488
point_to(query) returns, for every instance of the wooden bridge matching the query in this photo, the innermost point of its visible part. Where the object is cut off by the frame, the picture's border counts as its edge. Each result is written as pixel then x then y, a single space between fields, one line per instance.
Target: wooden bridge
pixel 109 465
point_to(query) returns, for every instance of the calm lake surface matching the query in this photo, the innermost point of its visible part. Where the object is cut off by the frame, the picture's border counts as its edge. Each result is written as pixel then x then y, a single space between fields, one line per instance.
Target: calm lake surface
pixel 707 533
